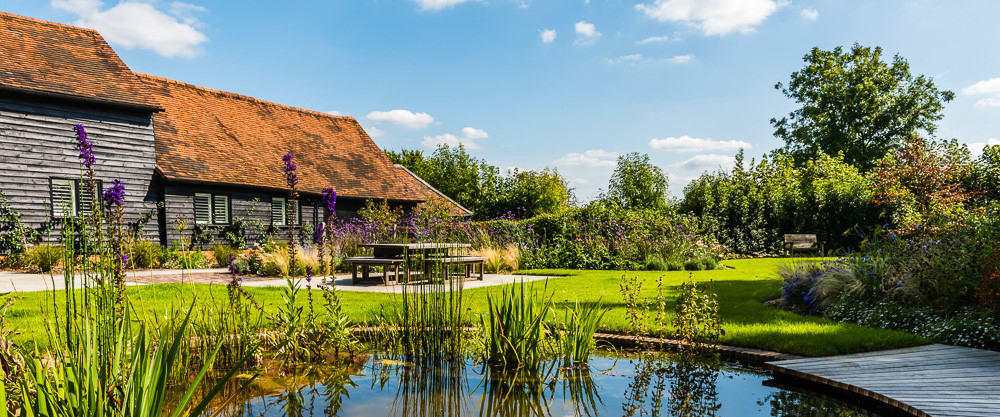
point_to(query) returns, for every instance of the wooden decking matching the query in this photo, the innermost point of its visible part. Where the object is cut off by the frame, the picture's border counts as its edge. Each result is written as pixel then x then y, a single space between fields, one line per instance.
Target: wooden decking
pixel 933 380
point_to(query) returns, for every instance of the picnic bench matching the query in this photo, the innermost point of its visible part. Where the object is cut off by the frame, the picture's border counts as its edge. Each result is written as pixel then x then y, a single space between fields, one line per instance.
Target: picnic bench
pixel 803 243
pixel 396 255
pixel 366 262
pixel 469 262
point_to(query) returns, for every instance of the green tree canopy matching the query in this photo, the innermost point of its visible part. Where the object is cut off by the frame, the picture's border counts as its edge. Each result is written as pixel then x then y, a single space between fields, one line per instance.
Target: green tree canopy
pixel 480 187
pixel 637 183
pixel 857 104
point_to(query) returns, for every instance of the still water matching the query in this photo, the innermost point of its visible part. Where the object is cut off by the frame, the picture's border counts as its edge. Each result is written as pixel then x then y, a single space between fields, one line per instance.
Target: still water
pixel 608 386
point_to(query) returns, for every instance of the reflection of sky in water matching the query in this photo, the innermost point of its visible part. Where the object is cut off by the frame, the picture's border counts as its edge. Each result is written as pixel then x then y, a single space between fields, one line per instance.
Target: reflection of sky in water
pixel 739 394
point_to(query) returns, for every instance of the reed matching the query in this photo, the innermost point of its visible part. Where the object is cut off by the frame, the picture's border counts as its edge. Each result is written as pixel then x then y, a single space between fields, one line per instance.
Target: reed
pixel 574 336
pixel 513 328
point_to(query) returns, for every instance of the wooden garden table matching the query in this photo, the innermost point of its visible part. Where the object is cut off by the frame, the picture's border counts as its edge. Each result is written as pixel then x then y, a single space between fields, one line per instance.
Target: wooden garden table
pixel 408 250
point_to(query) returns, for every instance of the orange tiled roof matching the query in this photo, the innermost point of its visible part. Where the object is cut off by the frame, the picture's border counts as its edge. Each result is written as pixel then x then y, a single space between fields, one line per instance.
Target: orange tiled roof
pixel 55 58
pixel 207 135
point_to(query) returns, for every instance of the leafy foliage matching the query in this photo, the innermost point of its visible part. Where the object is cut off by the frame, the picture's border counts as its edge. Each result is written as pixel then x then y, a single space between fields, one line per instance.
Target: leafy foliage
pixel 637 183
pixel 856 104
pixel 482 188
pixel 749 208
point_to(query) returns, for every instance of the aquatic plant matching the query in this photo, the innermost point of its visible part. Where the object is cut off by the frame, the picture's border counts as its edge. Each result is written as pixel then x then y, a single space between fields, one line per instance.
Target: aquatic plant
pixel 513 328
pixel 575 334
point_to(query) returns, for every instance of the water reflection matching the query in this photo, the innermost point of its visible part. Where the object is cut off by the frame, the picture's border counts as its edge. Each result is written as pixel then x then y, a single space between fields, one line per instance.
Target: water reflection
pixel 648 385
pixel 673 386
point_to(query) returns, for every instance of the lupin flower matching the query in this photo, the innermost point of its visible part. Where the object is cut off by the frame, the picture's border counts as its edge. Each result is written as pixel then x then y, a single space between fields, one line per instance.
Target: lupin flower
pixel 83 144
pixel 232 265
pixel 318 233
pixel 290 176
pixel 115 195
pixel 330 200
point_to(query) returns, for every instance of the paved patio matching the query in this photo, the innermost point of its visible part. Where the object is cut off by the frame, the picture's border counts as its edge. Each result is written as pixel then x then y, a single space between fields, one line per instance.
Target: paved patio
pixel 26 282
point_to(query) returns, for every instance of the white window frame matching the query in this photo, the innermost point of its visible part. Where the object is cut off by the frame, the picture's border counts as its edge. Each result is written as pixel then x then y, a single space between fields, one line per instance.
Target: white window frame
pixel 226 204
pixel 284 211
pixel 61 211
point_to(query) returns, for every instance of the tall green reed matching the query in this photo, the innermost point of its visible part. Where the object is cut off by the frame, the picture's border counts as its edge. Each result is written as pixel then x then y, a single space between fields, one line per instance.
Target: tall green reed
pixel 574 336
pixel 513 328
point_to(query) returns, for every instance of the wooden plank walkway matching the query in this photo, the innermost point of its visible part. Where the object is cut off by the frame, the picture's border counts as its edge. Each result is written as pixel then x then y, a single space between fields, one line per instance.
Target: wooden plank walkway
pixel 933 380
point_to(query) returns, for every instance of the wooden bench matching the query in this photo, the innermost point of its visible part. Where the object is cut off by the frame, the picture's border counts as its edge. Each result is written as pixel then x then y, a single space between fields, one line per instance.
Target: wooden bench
pixel 469 262
pixel 366 262
pixel 803 243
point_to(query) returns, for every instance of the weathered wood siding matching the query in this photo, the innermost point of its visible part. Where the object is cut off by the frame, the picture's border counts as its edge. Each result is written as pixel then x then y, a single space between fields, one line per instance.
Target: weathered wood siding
pixel 37 142
pixel 252 204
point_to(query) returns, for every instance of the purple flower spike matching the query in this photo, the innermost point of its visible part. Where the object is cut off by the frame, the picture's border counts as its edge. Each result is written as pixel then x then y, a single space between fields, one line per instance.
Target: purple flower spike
pixel 309 274
pixel 318 233
pixel 115 195
pixel 330 200
pixel 83 144
pixel 290 176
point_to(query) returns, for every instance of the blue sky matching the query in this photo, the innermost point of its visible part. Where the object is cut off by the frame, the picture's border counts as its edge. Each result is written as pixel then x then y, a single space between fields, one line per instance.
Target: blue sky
pixel 534 83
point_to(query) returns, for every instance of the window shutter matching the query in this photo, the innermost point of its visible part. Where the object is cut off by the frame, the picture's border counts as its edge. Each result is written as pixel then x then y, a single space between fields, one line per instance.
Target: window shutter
pixel 278 211
pixel 85 200
pixel 202 208
pixel 63 197
pixel 220 209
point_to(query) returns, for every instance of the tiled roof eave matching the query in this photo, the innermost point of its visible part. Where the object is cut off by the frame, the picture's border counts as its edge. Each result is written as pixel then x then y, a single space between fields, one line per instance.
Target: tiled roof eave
pixel 81 99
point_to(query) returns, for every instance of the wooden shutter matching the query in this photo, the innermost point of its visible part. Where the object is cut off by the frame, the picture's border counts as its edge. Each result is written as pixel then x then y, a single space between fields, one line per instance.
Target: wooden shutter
pixel 278 211
pixel 85 200
pixel 220 209
pixel 63 197
pixel 203 208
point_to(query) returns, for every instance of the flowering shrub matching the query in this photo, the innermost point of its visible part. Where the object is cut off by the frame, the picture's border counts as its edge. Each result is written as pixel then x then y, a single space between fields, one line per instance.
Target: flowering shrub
pixel 965 328
pixel 600 237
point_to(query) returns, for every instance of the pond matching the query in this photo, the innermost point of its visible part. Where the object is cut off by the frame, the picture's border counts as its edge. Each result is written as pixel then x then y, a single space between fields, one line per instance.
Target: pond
pixel 633 385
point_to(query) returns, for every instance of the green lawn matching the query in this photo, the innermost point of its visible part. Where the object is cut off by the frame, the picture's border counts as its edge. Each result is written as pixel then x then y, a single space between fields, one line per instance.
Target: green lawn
pixel 741 292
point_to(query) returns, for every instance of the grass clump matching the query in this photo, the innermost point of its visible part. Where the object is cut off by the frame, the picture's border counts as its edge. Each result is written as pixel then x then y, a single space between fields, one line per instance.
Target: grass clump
pixel 575 335
pixel 44 257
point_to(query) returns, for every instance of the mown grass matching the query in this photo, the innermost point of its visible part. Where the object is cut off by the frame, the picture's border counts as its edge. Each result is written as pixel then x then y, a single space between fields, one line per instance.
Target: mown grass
pixel 741 292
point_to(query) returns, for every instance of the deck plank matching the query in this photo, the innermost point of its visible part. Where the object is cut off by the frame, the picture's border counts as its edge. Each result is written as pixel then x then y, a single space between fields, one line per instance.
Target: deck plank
pixel 933 380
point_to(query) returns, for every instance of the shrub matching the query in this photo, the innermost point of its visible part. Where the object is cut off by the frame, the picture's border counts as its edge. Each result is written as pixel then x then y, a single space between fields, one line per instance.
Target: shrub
pixel 187 260
pixel 696 319
pixel 675 266
pixel 142 254
pixel 44 257
pixel 222 253
pixel 656 263
pixel 709 263
pixel 248 263
pixel 694 265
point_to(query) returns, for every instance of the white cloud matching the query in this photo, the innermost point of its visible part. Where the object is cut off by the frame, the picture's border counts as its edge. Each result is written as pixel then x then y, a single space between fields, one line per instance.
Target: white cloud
pixel 468 139
pixel 134 24
pixel 687 143
pixel 712 17
pixel 548 35
pixel 989 89
pixel 435 5
pixel 708 162
pixel 681 59
pixel 977 147
pixel 586 33
pixel 625 59
pixel 402 117
pixel 375 132
pixel 809 14
pixel 653 39
pixel 590 158
pixel 578 181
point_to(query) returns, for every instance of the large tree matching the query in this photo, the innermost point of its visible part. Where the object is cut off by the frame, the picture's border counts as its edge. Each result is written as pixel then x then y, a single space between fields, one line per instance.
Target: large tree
pixel 637 183
pixel 857 104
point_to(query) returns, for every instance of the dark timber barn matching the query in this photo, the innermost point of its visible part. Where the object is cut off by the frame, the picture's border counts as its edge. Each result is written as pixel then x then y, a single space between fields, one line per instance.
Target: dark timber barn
pixel 207 155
